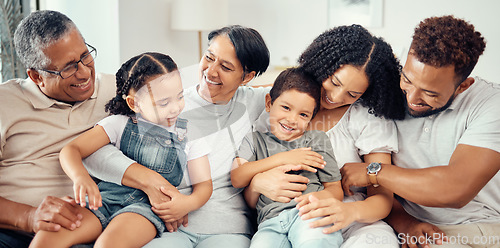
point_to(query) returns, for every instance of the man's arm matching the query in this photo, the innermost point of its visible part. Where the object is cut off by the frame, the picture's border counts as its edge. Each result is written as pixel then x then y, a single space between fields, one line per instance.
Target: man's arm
pixel 410 229
pixel 453 185
pixel 52 214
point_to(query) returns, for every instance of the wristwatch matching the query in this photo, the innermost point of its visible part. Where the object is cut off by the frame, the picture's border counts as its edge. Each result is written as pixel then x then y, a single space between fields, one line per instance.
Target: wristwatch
pixel 372 171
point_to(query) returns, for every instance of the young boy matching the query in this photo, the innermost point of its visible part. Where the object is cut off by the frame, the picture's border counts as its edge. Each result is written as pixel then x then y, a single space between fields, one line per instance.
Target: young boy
pixel 292 103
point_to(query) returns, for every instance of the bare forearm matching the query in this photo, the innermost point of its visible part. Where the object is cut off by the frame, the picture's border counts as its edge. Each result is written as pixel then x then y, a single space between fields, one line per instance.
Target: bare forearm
pixel 140 177
pixel 251 196
pixel 71 163
pixel 399 218
pixel 378 204
pixel 201 194
pixel 373 208
pixel 453 185
pixel 332 189
pixel 244 172
pixel 15 215
pixel 433 187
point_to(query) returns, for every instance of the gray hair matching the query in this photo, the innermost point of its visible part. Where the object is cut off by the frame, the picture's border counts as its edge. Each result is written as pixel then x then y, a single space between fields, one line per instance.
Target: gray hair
pixel 38 31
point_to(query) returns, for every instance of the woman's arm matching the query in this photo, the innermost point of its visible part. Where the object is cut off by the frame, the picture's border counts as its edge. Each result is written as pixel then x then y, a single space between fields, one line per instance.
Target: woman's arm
pixel 108 164
pixel 330 190
pixel 200 176
pixel 333 189
pixel 378 204
pixel 243 171
pixel 111 165
pixel 180 204
pixel 278 185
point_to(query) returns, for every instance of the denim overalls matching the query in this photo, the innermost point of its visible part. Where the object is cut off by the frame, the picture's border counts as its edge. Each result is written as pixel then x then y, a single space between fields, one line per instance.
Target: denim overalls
pixel 155 148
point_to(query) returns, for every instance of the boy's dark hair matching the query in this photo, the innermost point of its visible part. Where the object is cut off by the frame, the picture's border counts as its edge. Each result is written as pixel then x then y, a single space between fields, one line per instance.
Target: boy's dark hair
pixel 249 45
pixel 446 40
pixel 354 45
pixel 299 80
pixel 133 74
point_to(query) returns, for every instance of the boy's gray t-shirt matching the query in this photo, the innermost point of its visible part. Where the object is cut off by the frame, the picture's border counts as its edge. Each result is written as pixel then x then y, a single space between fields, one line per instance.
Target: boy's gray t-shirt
pixel 258 145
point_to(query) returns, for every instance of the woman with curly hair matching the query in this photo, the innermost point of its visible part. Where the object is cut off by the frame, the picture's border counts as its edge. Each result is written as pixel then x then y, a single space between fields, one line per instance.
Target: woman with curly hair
pixel 360 97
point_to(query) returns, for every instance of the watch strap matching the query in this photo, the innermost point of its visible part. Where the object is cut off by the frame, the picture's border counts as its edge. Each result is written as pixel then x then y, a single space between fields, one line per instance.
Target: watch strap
pixel 373 179
pixel 373 169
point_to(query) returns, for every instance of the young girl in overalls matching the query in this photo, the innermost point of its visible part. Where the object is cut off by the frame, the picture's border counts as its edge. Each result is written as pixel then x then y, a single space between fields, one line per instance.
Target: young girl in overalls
pixel 145 126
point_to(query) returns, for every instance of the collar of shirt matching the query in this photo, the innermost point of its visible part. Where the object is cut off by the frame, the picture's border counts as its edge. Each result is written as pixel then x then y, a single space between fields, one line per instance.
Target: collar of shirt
pixel 40 100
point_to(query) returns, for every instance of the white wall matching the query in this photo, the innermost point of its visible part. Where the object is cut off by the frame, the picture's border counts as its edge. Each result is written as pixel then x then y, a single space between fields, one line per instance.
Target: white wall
pixel 401 17
pixel 124 28
pixel 145 26
pixel 97 20
pixel 289 25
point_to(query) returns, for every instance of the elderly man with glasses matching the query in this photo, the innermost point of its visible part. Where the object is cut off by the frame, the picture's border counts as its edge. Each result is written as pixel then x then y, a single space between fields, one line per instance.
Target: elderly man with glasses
pixel 60 99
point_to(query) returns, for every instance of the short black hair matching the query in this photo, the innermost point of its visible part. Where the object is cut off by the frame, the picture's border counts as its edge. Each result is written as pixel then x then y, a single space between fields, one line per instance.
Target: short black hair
pixel 354 45
pixel 251 50
pixel 299 80
pixel 446 40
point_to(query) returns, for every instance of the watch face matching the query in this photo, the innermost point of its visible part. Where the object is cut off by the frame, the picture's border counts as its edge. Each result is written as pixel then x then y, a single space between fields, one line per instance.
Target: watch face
pixel 373 167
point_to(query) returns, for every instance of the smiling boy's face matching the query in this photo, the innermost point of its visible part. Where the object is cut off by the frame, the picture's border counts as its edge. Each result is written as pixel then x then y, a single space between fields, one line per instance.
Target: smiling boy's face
pixel 290 114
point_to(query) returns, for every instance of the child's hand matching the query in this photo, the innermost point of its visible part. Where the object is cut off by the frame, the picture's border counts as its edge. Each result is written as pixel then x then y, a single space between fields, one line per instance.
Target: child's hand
pixel 156 197
pixel 173 210
pixel 84 186
pixel 309 160
pixel 174 225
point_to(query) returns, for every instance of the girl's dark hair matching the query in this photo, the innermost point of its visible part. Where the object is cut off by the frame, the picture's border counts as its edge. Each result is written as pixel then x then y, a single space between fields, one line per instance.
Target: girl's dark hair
pixel 296 79
pixel 446 40
pixel 251 50
pixel 133 74
pixel 354 45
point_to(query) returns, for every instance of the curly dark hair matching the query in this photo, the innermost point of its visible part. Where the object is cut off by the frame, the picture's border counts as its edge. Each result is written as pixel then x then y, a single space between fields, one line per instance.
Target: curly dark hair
pixel 133 74
pixel 446 40
pixel 354 45
pixel 296 79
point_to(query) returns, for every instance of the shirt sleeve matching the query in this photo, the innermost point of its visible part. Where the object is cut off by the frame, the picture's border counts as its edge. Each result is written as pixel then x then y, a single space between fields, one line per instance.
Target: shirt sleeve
pixel 197 148
pixel 255 100
pixel 108 164
pixel 113 126
pixel 247 149
pixel 322 145
pixel 483 122
pixel 371 134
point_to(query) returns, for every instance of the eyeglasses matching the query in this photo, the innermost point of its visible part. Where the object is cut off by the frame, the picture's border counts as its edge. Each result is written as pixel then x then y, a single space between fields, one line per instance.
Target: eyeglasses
pixel 71 69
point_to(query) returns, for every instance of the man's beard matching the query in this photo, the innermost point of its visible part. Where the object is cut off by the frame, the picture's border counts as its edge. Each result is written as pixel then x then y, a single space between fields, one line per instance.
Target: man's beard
pixel 428 112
